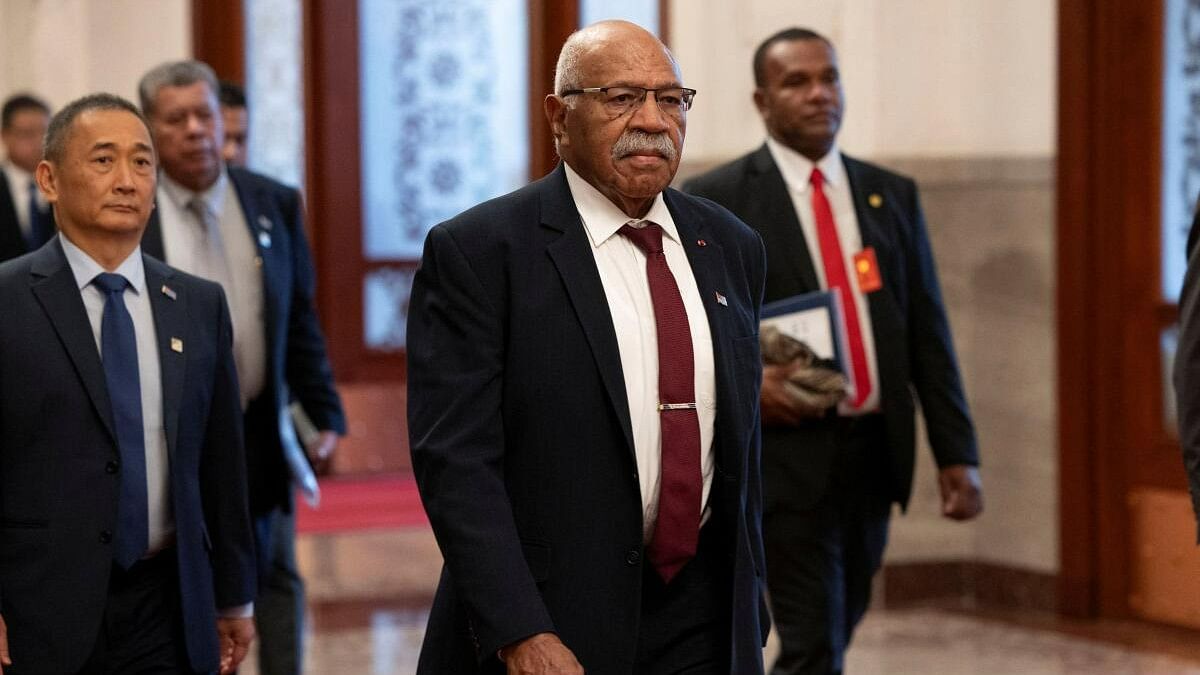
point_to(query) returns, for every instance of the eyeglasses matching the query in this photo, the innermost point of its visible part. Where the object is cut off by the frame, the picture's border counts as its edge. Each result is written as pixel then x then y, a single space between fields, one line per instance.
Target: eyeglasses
pixel 621 100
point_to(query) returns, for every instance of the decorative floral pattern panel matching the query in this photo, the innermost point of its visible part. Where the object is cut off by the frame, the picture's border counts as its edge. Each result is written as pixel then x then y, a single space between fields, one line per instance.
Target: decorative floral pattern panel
pixel 1181 136
pixel 275 89
pixel 444 114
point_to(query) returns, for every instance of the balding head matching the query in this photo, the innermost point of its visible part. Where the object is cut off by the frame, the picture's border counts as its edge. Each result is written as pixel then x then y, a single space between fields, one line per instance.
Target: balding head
pixel 625 144
pixel 599 38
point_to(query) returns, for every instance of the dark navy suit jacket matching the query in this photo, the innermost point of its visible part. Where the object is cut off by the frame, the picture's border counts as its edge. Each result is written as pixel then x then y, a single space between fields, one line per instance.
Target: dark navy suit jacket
pixel 912 335
pixel 297 365
pixel 58 448
pixel 12 241
pixel 521 436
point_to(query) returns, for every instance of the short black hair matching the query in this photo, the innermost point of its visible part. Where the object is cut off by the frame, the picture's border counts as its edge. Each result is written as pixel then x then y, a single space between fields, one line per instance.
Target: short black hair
pixel 785 35
pixel 19 102
pixel 61 123
pixel 231 95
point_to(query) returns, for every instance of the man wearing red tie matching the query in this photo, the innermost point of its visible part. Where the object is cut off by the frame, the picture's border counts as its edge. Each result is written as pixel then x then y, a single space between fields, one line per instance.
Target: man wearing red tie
pixel 832 222
pixel 583 399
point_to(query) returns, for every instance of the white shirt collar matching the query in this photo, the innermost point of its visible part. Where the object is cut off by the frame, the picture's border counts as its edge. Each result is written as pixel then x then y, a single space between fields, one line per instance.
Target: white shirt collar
pixel 601 218
pixel 85 268
pixel 213 197
pixel 796 168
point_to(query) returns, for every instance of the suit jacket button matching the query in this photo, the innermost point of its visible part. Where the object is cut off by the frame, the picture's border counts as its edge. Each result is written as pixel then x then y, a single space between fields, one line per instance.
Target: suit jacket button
pixel 111 467
pixel 105 537
pixel 633 557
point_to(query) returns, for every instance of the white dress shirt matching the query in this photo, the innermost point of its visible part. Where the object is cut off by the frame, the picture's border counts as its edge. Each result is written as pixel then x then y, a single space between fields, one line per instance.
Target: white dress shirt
pixel 622 267
pixel 224 253
pixel 796 170
pixel 18 186
pixel 137 302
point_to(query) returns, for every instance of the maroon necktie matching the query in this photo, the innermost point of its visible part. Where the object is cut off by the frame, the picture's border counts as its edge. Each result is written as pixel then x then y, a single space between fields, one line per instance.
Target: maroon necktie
pixel 678 526
pixel 835 277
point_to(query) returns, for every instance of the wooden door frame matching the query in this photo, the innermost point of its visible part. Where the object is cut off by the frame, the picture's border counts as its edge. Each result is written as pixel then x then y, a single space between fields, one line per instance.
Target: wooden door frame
pixel 1110 308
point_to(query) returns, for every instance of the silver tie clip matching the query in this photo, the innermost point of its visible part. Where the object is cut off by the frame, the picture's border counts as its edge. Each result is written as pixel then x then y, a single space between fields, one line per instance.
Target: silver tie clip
pixel 676 406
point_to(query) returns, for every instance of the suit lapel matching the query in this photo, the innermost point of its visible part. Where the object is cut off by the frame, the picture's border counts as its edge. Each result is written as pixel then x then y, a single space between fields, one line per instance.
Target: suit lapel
pixel 168 302
pixel 54 286
pixel 783 235
pixel 708 268
pixel 572 255
pixel 265 232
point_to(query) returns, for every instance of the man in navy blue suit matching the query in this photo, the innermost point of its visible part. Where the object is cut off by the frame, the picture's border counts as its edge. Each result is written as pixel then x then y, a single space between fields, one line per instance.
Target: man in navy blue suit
pixel 25 220
pixel 831 476
pixel 583 399
pixel 124 525
pixel 246 232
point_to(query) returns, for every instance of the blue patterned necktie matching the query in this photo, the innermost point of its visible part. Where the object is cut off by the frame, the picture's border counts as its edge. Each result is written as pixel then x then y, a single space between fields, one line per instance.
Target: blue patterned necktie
pixel 118 350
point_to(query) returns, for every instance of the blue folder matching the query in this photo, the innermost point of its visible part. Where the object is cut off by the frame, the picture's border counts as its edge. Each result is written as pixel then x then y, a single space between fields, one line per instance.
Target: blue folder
pixel 830 301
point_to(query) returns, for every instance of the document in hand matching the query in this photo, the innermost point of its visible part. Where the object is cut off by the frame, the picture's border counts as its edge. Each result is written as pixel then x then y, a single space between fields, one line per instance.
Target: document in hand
pixel 816 319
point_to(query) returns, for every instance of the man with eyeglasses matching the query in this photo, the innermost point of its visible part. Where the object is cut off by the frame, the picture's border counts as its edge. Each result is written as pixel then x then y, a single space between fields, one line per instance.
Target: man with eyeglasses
pixel 832 475
pixel 583 398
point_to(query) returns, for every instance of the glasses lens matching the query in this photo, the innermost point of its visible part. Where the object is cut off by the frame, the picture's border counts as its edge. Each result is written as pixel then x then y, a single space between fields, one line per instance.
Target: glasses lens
pixel 623 99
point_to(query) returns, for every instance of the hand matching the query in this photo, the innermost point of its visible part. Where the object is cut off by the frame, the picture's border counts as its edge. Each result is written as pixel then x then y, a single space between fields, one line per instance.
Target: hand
pixel 235 635
pixel 541 654
pixel 779 407
pixel 962 492
pixel 4 659
pixel 320 452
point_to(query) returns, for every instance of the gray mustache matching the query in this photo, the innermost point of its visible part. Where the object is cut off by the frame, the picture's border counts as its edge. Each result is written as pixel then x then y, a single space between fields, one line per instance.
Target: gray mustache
pixel 634 141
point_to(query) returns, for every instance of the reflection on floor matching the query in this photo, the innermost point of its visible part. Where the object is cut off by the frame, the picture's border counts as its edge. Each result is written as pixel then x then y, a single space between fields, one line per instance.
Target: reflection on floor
pixel 370 593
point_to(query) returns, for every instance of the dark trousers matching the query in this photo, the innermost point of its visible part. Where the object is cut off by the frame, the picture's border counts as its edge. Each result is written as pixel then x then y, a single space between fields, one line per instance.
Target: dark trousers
pixel 142 630
pixel 279 607
pixel 685 626
pixel 820 561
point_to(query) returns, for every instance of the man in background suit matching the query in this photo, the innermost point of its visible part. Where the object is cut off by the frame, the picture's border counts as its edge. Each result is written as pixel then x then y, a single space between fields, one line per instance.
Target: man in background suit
pixel 25 220
pixel 583 399
pixel 245 231
pixel 831 476
pixel 236 120
pixel 124 529
pixel 1187 369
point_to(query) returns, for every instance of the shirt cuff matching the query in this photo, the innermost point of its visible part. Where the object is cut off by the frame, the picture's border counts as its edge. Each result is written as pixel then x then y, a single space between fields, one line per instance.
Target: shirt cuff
pixel 245 611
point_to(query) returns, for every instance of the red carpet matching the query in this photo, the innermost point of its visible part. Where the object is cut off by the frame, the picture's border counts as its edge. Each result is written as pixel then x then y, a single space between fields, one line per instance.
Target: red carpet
pixel 363 503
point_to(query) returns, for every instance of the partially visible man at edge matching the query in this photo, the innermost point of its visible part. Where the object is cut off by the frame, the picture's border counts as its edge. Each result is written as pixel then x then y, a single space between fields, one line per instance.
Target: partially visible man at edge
pixel 236 118
pixel 124 530
pixel 583 399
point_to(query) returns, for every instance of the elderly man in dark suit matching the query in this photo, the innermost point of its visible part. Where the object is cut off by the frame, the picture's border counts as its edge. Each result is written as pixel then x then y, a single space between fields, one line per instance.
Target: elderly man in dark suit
pixel 25 220
pixel 583 398
pixel 123 518
pixel 832 222
pixel 246 232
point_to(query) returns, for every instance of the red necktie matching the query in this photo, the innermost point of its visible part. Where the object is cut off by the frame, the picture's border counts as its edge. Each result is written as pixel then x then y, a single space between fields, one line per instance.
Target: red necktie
pixel 835 277
pixel 678 526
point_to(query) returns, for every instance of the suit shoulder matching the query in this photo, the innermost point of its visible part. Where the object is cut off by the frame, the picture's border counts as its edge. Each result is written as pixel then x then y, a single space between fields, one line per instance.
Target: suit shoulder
pixel 720 178
pixel 488 218
pixel 260 181
pixel 716 215
pixel 877 173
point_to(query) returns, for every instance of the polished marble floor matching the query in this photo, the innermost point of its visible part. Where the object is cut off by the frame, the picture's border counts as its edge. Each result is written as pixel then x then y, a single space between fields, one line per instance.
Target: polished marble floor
pixel 370 594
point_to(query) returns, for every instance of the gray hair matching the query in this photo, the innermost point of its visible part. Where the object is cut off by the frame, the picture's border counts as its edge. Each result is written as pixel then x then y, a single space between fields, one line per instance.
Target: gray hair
pixel 60 125
pixel 174 74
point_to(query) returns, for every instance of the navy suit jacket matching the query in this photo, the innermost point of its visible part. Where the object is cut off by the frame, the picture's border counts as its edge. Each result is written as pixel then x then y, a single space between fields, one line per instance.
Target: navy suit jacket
pixel 912 335
pixel 521 436
pixel 12 241
pixel 58 477
pixel 297 365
